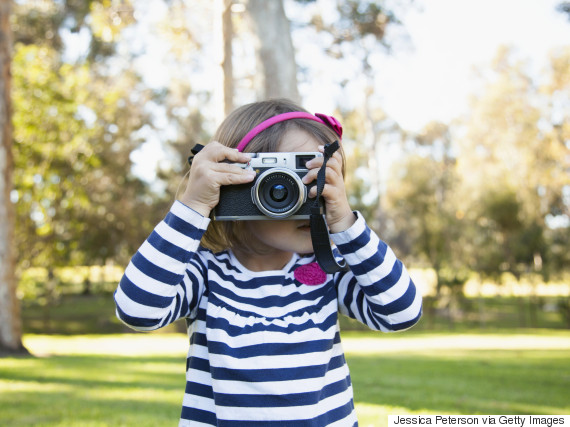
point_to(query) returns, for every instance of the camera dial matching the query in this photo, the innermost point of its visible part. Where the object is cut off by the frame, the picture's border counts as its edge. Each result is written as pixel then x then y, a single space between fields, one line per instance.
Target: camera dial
pixel 279 193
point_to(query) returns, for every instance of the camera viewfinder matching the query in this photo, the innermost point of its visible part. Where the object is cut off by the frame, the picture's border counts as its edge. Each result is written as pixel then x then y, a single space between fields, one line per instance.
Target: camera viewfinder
pixel 301 160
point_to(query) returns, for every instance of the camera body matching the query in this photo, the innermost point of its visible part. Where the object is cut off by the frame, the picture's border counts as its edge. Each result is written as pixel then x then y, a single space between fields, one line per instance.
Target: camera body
pixel 277 191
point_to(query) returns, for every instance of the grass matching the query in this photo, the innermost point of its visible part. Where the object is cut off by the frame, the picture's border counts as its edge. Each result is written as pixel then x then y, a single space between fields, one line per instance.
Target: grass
pixel 138 379
pixel 115 380
pixel 466 373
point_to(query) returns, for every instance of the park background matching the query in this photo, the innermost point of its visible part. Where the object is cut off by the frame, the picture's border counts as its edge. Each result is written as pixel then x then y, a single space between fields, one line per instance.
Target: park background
pixel 457 135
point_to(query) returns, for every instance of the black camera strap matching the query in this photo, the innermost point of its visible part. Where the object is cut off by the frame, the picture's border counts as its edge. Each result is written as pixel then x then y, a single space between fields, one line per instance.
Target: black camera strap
pixel 195 150
pixel 319 229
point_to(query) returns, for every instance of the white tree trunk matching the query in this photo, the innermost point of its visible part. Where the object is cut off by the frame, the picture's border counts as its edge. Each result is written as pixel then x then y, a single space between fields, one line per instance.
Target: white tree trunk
pixel 10 321
pixel 276 52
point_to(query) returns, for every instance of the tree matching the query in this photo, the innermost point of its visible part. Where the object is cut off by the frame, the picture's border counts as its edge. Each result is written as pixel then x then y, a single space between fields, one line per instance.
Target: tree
pixel 275 49
pixel 227 63
pixel 355 33
pixel 76 122
pixel 514 159
pixel 74 134
pixel 423 204
pixel 10 322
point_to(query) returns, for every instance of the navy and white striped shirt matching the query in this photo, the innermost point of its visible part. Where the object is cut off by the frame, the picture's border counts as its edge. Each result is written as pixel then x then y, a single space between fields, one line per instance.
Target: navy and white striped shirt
pixel 265 349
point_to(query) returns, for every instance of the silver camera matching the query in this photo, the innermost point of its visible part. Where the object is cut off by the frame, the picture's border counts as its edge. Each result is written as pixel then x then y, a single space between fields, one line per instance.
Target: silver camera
pixel 277 191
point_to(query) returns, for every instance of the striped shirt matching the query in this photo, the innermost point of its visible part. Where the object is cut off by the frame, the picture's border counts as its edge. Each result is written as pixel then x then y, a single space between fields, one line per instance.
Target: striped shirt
pixel 265 349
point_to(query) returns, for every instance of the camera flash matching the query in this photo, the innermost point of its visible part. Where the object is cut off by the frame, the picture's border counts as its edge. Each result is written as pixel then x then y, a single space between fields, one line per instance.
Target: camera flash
pixel 269 160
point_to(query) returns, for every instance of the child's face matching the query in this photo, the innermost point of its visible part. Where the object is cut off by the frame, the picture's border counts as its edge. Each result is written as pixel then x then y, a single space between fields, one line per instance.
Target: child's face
pixel 287 235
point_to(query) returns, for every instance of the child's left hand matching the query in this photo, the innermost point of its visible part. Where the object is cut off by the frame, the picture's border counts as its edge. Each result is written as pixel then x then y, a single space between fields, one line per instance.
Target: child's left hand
pixel 339 215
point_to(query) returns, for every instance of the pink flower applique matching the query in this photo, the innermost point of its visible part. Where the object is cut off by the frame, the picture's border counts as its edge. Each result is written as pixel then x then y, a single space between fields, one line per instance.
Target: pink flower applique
pixel 310 274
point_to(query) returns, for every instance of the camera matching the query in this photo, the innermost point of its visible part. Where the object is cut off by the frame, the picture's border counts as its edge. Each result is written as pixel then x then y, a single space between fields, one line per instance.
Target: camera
pixel 277 191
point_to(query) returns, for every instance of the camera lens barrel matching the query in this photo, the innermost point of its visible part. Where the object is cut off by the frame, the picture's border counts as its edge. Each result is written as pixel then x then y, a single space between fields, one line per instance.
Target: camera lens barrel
pixel 279 193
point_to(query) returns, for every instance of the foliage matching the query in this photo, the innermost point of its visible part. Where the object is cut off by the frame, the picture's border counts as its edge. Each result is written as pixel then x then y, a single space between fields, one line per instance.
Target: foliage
pixel 76 197
pixel 514 162
pixel 44 22
pixel 358 20
pixel 422 206
pixel 76 124
pixel 486 194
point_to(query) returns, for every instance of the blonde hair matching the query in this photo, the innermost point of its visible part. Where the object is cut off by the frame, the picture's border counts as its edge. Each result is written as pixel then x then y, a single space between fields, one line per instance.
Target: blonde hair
pixel 222 235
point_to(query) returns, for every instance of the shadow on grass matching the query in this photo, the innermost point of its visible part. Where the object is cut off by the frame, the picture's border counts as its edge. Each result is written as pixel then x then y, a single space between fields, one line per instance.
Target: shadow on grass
pixel 84 390
pixel 465 382
pixel 87 371
pixel 68 409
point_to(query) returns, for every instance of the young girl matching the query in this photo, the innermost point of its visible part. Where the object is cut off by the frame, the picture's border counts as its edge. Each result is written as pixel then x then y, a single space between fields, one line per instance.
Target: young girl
pixel 262 316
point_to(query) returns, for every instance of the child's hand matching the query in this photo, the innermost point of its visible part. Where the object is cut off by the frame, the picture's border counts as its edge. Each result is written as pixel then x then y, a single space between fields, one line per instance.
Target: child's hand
pixel 338 212
pixel 208 173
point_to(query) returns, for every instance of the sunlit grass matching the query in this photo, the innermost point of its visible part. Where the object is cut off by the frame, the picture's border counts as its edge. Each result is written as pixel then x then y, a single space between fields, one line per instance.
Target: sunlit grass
pixel 461 373
pixel 112 380
pixel 462 382
pixel 149 344
pixel 138 379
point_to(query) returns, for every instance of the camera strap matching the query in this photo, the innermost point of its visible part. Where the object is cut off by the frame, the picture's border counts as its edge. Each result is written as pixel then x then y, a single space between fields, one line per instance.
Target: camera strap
pixel 319 229
pixel 195 150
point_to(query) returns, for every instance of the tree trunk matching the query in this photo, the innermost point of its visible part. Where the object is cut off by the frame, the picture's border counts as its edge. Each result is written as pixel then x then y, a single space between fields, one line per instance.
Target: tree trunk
pixel 10 321
pixel 276 52
pixel 227 63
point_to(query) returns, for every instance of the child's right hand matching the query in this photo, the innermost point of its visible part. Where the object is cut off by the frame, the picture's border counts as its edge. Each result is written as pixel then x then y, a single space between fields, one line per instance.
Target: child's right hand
pixel 208 173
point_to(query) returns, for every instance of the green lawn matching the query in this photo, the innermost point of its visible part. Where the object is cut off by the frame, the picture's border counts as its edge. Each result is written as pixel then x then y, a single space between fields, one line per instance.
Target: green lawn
pixel 138 379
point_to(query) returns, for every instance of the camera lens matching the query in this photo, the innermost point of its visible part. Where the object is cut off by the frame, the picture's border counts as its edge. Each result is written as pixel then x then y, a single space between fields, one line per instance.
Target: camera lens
pixel 279 193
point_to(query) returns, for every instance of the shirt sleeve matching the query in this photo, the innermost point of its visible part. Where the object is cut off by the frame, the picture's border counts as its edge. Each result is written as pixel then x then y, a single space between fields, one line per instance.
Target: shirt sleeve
pixel 165 278
pixel 377 290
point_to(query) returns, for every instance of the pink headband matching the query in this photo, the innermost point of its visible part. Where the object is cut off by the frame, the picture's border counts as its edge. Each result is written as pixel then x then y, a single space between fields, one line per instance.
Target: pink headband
pixel 330 121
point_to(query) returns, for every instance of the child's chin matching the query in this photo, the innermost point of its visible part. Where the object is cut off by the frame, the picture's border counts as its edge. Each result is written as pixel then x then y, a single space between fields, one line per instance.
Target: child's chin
pixel 304 246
